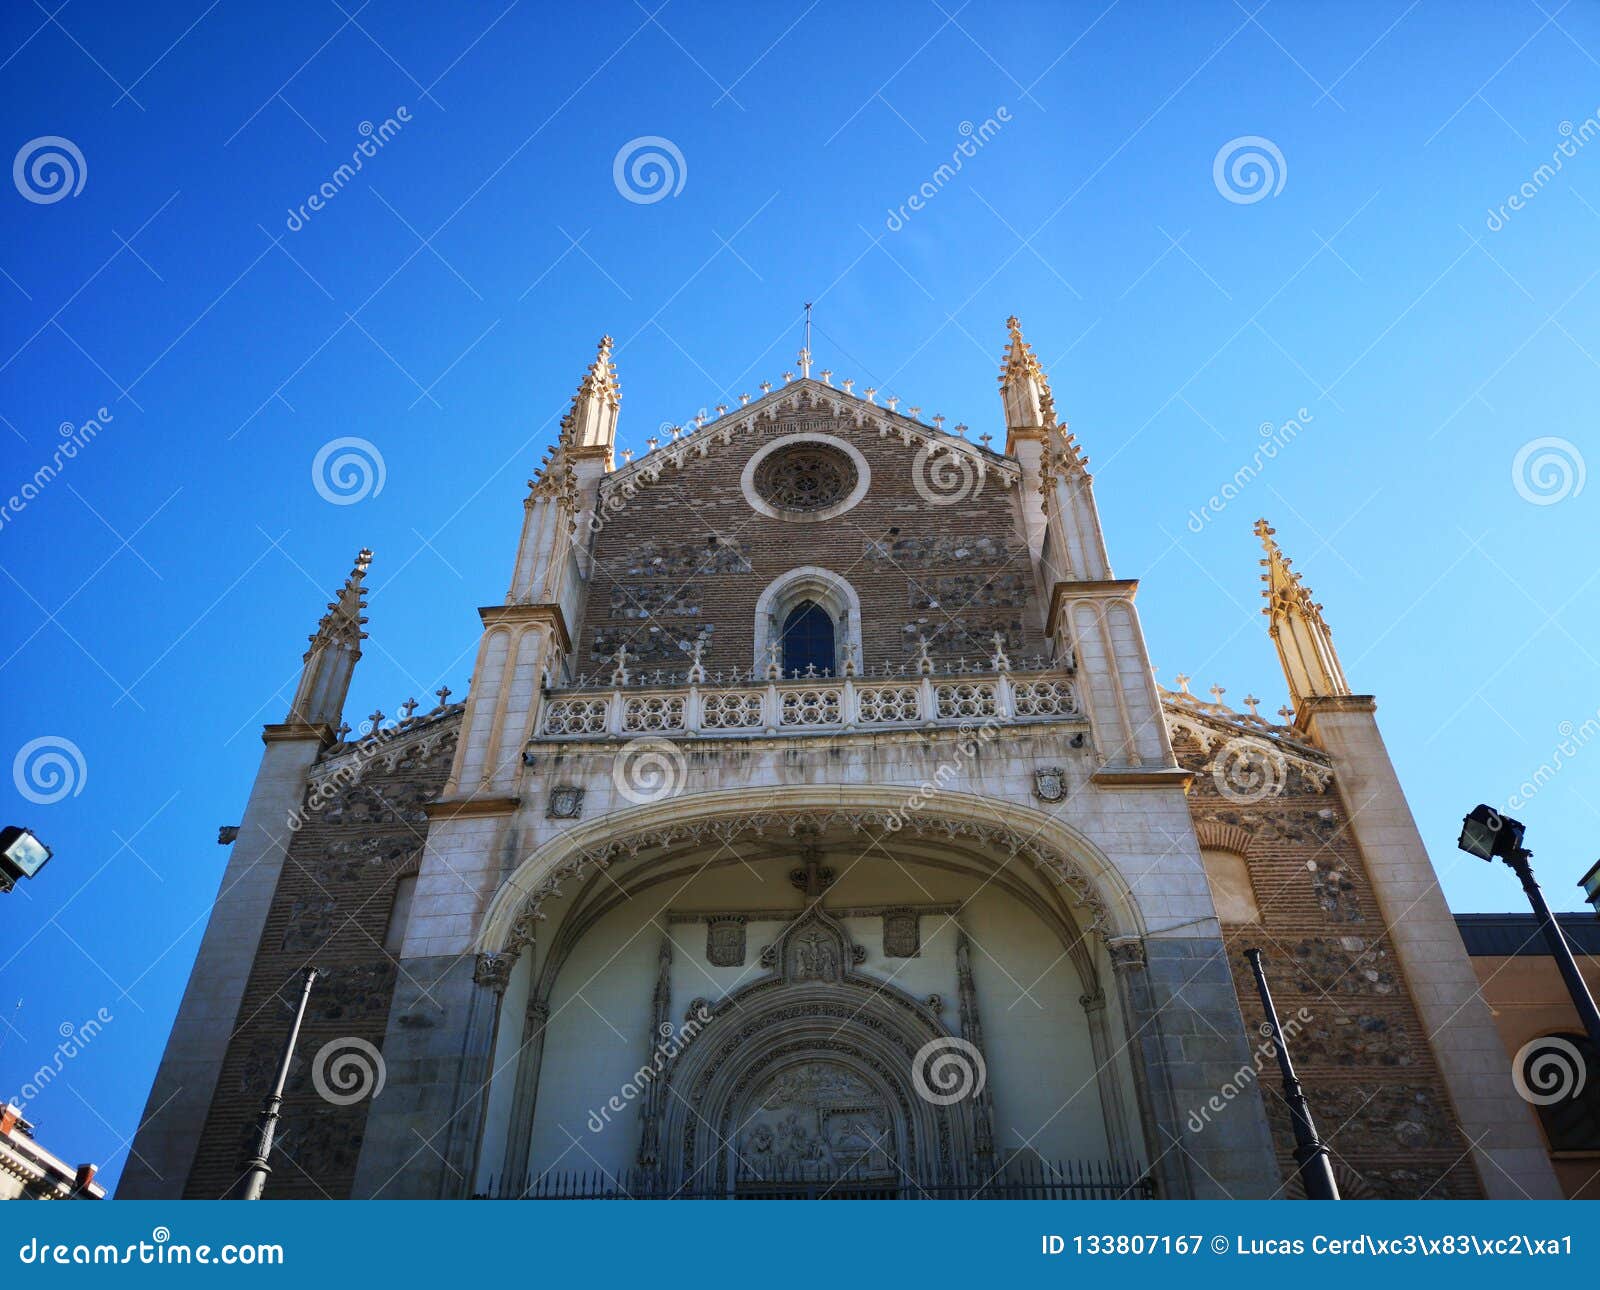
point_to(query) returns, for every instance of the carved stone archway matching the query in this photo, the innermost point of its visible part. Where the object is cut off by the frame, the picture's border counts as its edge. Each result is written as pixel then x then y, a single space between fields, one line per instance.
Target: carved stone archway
pixel 1007 830
pixel 813 1078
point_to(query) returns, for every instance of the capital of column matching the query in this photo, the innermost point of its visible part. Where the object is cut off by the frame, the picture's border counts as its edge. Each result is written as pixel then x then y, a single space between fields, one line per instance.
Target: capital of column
pixel 1127 954
pixel 493 971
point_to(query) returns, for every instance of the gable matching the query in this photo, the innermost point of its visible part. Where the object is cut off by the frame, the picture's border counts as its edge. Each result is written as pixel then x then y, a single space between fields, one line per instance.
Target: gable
pixel 925 527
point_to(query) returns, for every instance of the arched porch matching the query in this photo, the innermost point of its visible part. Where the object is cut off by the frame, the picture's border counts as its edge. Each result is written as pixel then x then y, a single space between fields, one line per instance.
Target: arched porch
pixel 654 1017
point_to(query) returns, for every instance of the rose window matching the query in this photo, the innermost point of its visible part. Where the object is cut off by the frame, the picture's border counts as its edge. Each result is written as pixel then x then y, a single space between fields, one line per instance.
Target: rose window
pixel 807 477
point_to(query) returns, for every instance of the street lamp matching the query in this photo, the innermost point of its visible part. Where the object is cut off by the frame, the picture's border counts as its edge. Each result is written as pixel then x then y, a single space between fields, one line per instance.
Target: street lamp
pixel 254 1182
pixel 1310 1152
pixel 21 855
pixel 1487 834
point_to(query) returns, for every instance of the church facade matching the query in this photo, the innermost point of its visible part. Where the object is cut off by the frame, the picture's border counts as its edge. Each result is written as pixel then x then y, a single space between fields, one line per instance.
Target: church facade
pixel 815 824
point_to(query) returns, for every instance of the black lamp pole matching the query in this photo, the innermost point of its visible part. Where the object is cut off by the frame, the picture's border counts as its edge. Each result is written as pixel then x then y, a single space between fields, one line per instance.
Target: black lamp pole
pixel 254 1181
pixel 1582 1000
pixel 1316 1171
pixel 1487 834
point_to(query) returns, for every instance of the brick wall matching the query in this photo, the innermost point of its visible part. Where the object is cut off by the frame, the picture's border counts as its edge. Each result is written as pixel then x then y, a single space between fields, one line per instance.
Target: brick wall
pixel 1376 1094
pixel 689 553
pixel 330 910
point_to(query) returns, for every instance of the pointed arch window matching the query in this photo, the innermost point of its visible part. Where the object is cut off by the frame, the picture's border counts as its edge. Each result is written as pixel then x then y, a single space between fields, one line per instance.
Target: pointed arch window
pixel 809 641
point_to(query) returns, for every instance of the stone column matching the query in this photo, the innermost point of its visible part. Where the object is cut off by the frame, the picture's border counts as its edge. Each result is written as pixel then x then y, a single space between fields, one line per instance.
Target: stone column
pixel 1188 1039
pixel 1508 1148
pixel 473 1074
pixel 1120 1138
pixel 421 1136
pixel 525 1094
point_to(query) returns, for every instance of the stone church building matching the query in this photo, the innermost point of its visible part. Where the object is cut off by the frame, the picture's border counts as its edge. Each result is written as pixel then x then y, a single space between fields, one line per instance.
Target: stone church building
pixel 815 824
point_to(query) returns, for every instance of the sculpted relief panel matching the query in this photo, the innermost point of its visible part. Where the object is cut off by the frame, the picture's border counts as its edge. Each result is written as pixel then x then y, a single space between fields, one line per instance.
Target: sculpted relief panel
pixel 817 1119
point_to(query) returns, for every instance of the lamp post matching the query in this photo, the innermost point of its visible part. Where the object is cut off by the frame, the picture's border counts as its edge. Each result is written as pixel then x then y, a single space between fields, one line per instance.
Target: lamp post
pixel 254 1181
pixel 21 856
pixel 1487 834
pixel 1316 1171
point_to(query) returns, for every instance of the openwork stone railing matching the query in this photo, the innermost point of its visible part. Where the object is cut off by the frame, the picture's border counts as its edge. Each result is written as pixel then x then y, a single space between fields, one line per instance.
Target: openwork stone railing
pixel 810 704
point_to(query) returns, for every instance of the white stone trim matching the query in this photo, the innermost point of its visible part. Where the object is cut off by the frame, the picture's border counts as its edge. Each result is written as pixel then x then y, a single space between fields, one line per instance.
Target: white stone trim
pixel 747 479
pixel 809 582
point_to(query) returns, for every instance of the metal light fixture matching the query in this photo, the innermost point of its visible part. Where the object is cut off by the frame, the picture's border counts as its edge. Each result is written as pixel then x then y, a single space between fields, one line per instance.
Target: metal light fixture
pixel 21 855
pixel 1487 834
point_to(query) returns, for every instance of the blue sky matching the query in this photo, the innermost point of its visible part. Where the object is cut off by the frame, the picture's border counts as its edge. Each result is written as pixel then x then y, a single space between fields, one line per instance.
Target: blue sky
pixel 443 304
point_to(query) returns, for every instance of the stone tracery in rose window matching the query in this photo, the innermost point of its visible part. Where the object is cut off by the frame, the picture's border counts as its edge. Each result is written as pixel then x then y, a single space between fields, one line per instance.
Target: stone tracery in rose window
pixel 807 477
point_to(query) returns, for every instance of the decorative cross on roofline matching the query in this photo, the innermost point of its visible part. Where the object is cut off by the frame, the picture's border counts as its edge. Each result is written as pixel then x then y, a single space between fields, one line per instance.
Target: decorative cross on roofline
pixel 999 660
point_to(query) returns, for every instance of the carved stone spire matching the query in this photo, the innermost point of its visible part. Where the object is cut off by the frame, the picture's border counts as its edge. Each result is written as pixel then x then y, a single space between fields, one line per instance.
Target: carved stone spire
pixel 335 647
pixel 1305 645
pixel 1024 388
pixel 590 427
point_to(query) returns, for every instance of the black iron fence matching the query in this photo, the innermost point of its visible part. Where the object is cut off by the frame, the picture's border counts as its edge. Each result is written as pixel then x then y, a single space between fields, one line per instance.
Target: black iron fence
pixel 1017 1180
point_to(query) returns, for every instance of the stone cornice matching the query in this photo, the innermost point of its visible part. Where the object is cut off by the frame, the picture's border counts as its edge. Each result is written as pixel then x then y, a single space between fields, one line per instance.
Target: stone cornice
pixel 1090 589
pixel 469 808
pixel 297 731
pixel 922 735
pixel 1313 705
pixel 514 615
pixel 1143 777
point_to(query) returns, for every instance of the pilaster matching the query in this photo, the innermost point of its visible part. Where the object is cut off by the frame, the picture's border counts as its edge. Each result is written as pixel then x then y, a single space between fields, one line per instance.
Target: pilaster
pixel 1508 1148
pixel 163 1150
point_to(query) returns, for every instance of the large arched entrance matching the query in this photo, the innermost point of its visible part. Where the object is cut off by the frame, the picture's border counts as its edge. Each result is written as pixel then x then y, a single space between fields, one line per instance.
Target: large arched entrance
pixel 782 998
pixel 816 1074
